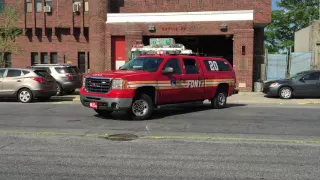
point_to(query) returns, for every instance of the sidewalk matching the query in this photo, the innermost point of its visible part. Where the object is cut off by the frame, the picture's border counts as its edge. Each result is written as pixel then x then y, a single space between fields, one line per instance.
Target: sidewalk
pixel 259 98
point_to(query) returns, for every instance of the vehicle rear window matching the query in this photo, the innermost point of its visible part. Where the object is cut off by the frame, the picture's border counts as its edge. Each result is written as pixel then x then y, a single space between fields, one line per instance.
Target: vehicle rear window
pixel 42 73
pixel 25 72
pixel 66 70
pixel 75 69
pixel 213 65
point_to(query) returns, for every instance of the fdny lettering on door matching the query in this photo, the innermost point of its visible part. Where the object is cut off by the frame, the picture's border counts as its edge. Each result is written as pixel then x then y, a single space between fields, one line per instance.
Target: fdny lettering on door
pixel 194 83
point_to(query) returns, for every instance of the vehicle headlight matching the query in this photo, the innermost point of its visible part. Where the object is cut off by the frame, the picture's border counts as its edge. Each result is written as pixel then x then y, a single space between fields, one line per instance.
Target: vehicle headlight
pixel 274 84
pixel 118 84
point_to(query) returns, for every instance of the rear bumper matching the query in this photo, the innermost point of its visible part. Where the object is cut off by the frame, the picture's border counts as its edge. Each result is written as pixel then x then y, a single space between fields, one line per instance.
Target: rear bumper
pixel 40 93
pixel 235 91
pixel 66 86
pixel 113 104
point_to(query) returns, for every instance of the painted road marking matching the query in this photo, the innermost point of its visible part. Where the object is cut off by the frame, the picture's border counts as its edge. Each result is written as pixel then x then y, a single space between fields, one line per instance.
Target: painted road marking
pixel 303 103
pixel 205 138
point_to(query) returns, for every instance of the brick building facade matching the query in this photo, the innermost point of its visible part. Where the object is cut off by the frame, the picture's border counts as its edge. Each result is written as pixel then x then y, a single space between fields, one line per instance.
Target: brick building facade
pixel 91 35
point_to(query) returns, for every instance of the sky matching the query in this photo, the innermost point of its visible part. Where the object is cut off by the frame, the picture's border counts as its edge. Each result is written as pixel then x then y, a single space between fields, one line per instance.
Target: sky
pixel 274 5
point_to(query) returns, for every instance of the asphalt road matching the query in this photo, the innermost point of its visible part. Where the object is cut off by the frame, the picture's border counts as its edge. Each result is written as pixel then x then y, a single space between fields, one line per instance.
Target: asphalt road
pixel 188 142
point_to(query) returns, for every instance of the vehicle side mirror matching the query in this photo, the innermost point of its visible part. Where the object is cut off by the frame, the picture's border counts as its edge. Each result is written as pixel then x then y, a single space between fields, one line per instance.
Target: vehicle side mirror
pixel 167 70
pixel 302 80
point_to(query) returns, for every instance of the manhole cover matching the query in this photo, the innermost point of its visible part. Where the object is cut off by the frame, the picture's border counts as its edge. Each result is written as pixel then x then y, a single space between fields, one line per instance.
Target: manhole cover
pixel 122 137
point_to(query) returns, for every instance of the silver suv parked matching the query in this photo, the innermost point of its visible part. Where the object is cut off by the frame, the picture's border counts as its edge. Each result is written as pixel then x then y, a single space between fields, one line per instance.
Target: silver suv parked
pixel 68 77
pixel 26 84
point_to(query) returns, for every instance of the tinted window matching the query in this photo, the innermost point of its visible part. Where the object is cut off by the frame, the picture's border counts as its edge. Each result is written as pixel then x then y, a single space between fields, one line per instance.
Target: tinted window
pixel 42 73
pixel 312 76
pixel 75 69
pixel 2 71
pixel 13 73
pixel 175 64
pixel 149 64
pixel 26 72
pixel 43 69
pixel 212 65
pixel 64 70
pixel 191 66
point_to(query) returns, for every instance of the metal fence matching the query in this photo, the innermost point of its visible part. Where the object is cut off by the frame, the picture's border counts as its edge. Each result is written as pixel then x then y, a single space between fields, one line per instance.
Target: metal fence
pixel 277 66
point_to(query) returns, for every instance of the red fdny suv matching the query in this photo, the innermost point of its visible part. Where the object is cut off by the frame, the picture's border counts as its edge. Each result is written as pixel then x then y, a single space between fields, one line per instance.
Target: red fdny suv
pixel 146 82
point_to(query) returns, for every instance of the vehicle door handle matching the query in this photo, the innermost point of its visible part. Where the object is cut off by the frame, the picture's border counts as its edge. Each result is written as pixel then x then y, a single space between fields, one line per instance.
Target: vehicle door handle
pixel 18 80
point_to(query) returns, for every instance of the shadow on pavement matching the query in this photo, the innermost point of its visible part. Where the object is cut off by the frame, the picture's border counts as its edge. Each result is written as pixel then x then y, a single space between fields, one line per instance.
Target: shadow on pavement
pixel 296 97
pixel 168 111
pixel 53 99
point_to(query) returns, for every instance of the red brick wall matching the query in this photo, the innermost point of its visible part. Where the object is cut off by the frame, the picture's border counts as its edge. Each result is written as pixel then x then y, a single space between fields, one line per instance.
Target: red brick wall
pixel 262 8
pixel 243 64
pixel 68 47
pixel 98 17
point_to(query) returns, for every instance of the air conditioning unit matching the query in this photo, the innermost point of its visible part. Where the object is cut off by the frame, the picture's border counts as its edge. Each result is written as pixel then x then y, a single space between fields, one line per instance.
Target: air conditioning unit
pixel 76 7
pixel 47 8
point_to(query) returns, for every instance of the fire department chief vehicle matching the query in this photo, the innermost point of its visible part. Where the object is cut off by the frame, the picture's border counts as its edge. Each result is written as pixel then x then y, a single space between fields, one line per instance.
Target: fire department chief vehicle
pixel 149 81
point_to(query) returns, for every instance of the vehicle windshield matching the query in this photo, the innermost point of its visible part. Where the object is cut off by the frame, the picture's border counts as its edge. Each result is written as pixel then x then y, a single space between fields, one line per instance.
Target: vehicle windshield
pixel 149 64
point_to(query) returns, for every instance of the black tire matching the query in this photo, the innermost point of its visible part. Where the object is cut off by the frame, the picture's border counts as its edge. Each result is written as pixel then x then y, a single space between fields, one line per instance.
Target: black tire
pixel 142 103
pixel 220 100
pixel 25 96
pixel 103 113
pixel 59 90
pixel 285 93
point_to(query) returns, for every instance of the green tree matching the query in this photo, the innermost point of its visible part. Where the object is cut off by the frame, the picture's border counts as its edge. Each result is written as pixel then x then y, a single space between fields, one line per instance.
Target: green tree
pixel 9 31
pixel 292 16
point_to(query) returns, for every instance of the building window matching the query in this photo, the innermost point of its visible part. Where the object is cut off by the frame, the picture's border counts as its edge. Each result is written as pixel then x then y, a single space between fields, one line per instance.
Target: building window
pixel 54 58
pixel 49 3
pixel 45 58
pixel 29 6
pixel 34 58
pixel 7 60
pixel 86 6
pixel 2 4
pixel 38 5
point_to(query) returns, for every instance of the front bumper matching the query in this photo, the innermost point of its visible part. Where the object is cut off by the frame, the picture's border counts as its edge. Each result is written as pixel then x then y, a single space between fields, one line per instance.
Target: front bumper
pixel 271 91
pixel 113 104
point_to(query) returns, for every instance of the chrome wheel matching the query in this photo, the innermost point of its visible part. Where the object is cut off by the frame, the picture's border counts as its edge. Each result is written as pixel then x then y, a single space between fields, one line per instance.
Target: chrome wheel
pixel 286 93
pixel 24 96
pixel 140 108
pixel 221 99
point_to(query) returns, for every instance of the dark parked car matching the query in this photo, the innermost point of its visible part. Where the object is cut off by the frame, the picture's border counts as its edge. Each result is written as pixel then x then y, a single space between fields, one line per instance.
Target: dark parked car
pixel 302 84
